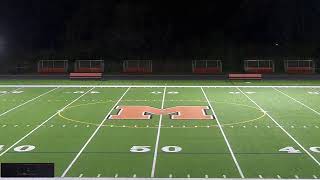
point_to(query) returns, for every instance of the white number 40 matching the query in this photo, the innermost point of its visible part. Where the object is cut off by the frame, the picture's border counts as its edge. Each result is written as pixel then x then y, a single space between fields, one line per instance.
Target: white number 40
pixel 292 150
pixel 143 149
pixel 24 148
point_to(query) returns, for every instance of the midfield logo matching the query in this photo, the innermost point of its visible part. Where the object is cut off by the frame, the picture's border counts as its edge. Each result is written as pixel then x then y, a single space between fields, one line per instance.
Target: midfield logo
pixel 178 112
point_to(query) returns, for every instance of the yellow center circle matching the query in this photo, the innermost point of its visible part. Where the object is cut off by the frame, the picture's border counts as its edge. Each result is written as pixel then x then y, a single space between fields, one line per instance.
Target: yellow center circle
pixel 261 115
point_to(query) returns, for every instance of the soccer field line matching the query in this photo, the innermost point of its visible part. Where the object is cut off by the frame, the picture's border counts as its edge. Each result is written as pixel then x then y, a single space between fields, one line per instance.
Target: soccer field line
pixel 151 86
pixel 92 136
pixel 6 112
pixel 285 131
pixel 224 136
pixel 318 113
pixel 35 129
pixel 158 137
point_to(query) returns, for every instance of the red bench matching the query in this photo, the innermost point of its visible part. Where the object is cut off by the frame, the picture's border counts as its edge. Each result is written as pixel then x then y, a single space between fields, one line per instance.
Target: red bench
pixel 259 70
pixel 137 70
pixel 209 70
pixel 300 70
pixel 85 75
pixel 51 70
pixel 245 76
pixel 89 70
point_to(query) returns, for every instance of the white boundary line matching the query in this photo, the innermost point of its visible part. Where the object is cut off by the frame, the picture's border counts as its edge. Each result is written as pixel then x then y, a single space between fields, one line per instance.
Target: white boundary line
pixel 298 101
pixel 24 137
pixel 155 155
pixel 286 132
pixel 138 178
pixel 4 113
pixel 150 86
pixel 92 136
pixel 224 136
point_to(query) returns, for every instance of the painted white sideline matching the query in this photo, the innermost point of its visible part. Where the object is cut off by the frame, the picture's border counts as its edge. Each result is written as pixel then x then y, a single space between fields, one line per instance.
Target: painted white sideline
pixel 150 86
pixel 32 131
pixel 286 132
pixel 155 155
pixel 28 102
pixel 92 136
pixel 224 136
pixel 298 101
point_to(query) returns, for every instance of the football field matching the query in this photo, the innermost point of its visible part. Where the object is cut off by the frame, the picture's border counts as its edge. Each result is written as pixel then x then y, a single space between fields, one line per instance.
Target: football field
pixel 163 131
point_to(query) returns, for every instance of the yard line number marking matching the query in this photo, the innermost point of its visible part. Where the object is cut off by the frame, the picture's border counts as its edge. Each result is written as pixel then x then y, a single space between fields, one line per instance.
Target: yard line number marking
pixel 144 149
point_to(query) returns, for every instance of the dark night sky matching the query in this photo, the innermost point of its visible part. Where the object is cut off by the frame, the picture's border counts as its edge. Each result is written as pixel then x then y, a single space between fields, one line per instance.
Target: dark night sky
pixel 38 24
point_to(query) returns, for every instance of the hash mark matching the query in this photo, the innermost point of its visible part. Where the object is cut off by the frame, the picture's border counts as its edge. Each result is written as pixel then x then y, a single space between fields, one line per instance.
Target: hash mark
pixel 224 176
pixel 260 176
pixel 278 176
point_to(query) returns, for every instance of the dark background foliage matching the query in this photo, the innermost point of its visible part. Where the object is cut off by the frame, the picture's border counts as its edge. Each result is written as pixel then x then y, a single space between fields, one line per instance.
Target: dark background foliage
pixel 175 30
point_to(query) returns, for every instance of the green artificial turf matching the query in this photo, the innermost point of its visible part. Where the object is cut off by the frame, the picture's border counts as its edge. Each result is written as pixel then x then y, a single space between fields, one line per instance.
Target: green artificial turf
pixel 65 127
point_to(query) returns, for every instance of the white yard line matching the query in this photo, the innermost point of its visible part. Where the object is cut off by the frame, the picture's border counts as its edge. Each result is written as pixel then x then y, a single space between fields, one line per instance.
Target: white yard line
pixel 148 86
pixel 32 131
pixel 224 136
pixel 92 136
pixel 27 102
pixel 286 132
pixel 297 101
pixel 155 155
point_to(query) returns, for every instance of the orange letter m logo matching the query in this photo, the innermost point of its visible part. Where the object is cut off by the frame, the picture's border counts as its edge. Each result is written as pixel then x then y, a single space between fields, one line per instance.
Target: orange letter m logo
pixel 178 112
